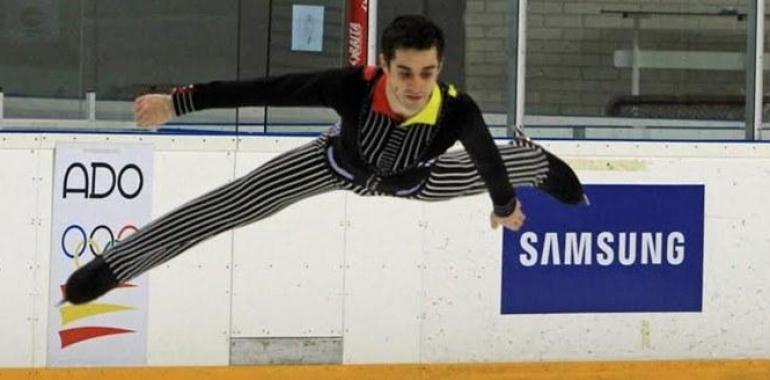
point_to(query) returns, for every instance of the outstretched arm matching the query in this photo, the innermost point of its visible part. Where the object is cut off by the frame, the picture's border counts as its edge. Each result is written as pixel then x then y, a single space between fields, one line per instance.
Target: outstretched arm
pixel 322 88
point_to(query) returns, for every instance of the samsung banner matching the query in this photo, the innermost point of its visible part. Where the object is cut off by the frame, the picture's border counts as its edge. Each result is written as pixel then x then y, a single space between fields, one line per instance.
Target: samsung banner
pixel 101 195
pixel 636 248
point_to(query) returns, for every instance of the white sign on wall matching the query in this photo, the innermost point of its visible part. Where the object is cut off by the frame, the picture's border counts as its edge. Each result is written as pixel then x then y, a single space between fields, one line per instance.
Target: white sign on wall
pixel 102 193
pixel 307 28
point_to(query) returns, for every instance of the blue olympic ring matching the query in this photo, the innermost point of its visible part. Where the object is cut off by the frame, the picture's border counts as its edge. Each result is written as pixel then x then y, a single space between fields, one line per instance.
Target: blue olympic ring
pixel 64 235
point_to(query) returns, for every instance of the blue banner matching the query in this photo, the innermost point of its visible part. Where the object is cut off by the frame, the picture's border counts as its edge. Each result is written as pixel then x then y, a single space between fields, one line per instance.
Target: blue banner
pixel 636 248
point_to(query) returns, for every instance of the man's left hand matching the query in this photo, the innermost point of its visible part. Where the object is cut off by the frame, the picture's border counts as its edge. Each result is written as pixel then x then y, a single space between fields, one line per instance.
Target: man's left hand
pixel 512 222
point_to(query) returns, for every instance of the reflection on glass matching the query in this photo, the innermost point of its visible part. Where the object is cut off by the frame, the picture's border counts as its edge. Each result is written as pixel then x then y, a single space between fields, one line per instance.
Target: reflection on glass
pixel 319 46
pixel 675 60
pixel 40 63
pixel 146 46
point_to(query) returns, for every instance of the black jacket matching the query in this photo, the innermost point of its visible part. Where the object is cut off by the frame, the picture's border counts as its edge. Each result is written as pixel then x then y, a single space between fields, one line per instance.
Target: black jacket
pixel 348 91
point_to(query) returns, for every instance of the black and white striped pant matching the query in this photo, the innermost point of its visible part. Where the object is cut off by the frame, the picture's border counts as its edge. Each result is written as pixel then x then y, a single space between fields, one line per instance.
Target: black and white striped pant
pixel 289 178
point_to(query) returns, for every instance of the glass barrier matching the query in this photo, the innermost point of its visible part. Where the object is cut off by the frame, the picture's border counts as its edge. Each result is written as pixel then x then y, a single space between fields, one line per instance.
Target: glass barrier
pixel 673 70
pixel 594 69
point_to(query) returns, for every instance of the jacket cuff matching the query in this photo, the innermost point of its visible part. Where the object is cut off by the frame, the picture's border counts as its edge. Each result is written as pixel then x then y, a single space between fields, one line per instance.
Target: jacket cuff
pixel 506 209
pixel 183 100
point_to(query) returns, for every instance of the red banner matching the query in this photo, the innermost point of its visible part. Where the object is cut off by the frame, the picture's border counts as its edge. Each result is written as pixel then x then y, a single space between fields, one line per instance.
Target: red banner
pixel 358 31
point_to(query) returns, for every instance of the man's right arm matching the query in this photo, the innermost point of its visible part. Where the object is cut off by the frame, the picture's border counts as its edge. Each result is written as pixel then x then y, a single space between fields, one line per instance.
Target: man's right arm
pixel 322 88
pixel 316 89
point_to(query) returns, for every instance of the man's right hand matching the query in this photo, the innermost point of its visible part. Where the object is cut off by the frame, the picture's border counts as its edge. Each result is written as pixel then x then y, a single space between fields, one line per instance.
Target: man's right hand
pixel 153 110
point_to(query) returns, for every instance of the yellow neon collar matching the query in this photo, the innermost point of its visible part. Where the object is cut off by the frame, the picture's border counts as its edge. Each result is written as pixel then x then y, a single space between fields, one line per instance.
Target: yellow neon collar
pixel 429 113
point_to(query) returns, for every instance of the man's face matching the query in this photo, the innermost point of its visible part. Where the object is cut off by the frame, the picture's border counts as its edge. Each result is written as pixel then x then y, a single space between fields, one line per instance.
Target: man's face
pixel 412 74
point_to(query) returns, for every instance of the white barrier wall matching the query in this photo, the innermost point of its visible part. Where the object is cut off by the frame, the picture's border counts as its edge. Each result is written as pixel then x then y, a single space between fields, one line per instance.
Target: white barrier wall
pixel 324 267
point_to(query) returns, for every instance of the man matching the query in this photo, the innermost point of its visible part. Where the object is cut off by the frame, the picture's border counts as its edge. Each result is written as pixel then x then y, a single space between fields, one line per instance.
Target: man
pixel 397 123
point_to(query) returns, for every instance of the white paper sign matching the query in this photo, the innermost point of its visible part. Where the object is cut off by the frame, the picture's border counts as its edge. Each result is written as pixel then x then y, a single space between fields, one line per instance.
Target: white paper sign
pixel 307 28
pixel 102 193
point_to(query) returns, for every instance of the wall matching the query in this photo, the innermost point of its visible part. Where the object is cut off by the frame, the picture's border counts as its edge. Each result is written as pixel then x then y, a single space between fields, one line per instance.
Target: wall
pixel 324 269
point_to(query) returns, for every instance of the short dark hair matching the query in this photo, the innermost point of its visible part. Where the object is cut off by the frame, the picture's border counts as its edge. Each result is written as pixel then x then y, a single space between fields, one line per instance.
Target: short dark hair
pixel 411 32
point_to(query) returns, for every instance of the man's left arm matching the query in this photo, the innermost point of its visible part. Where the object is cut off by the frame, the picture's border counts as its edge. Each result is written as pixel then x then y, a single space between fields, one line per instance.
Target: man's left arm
pixel 481 148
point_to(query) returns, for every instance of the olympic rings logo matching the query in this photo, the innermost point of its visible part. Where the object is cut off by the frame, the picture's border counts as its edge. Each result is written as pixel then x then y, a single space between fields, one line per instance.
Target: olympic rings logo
pixel 91 241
